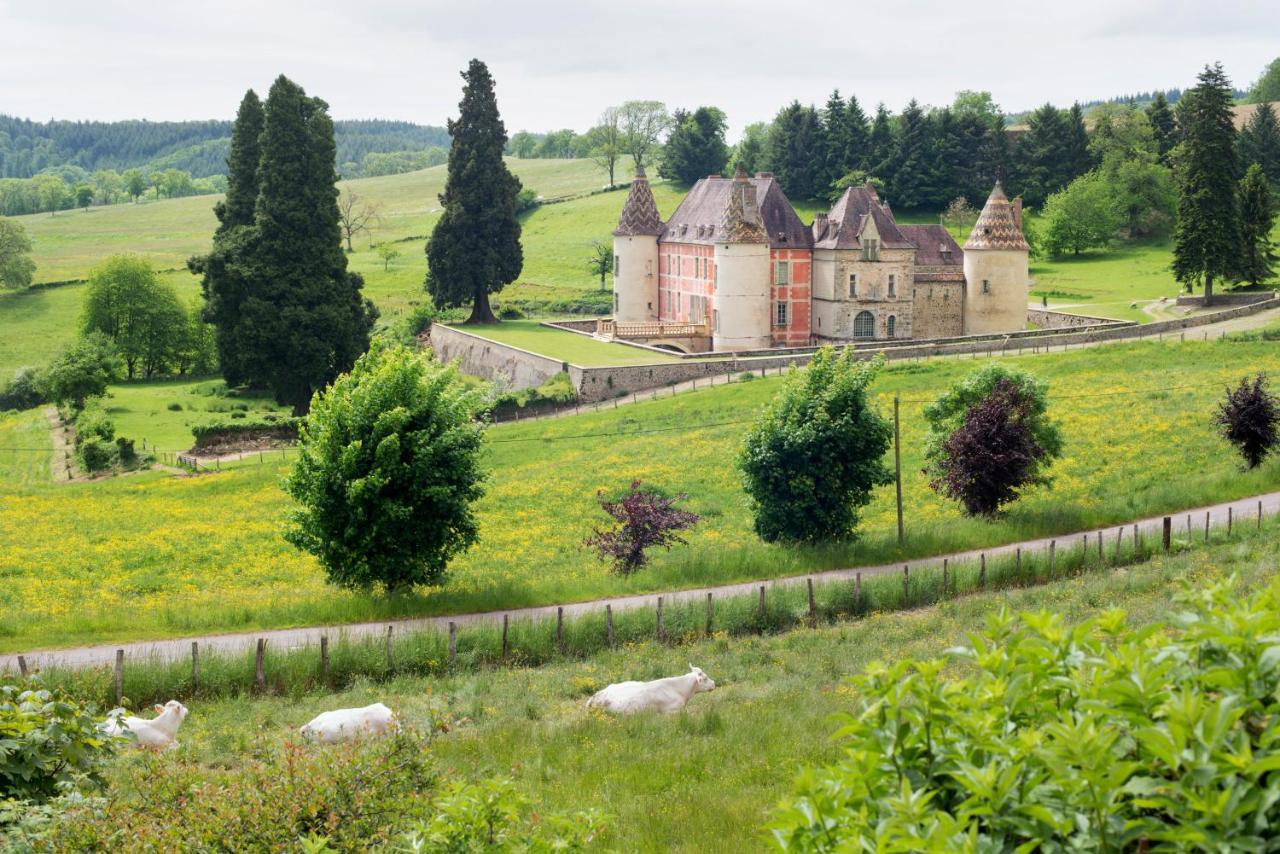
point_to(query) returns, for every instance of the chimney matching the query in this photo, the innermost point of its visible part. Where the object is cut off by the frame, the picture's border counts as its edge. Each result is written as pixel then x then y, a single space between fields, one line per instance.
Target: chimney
pixel 1017 212
pixel 819 225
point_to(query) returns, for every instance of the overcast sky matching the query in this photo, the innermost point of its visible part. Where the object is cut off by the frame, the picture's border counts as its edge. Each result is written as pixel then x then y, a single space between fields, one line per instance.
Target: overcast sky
pixel 558 62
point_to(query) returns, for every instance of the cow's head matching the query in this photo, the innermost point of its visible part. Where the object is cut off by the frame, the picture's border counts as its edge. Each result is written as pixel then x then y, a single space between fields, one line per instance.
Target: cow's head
pixel 179 710
pixel 701 681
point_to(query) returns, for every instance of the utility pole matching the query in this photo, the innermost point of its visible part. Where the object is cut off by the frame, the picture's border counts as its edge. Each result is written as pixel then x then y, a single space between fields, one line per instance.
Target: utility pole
pixel 897 463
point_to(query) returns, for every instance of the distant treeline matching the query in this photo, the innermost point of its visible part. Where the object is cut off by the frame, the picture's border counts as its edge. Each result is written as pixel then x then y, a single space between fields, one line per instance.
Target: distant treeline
pixel 29 148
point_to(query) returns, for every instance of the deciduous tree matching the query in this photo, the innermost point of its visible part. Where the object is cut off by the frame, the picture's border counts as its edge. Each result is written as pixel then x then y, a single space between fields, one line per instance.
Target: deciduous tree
pixel 141 315
pixel 475 248
pixel 609 143
pixel 82 370
pixel 1249 418
pixel 644 520
pixel 356 215
pixel 643 124
pixel 600 263
pixel 16 266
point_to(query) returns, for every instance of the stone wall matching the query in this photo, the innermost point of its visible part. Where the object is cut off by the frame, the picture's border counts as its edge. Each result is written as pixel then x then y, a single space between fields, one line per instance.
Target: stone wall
pixel 483 358
pixel 1229 299
pixel 938 309
pixel 1044 318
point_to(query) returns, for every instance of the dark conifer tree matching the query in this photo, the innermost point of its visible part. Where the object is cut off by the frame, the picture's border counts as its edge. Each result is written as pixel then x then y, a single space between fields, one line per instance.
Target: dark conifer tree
pixel 304 320
pixel 1207 236
pixel 695 147
pixel 795 145
pixel 1257 261
pixel 1162 125
pixel 857 130
pixel 879 143
pixel 993 161
pixel 948 158
pixel 475 248
pixel 909 176
pixel 836 140
pixel 1041 155
pixel 223 285
pixel 1260 143
pixel 1076 157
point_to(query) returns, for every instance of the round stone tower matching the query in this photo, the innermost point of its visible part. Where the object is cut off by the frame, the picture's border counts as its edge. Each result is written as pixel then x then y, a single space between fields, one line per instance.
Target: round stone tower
pixel 996 269
pixel 742 301
pixel 635 255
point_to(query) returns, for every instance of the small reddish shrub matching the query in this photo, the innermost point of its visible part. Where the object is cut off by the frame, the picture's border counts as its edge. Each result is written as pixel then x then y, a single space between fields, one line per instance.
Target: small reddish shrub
pixel 645 520
pixel 1248 419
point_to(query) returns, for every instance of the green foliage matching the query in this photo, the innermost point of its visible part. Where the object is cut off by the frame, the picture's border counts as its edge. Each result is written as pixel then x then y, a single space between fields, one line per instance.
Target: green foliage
pixel 140 314
pixel 1056 737
pixel 1260 142
pixel 1164 129
pixel 83 370
pixel 475 248
pixel 96 454
pixel 696 147
pixel 24 391
pixel 815 452
pixel 1043 164
pixel 556 391
pixel 752 149
pixel 93 422
pixel 48 743
pixel 387 471
pixel 1267 87
pixel 1081 216
pixel 16 267
pixel 1257 215
pixel 795 135
pixel 948 413
pixel 205 434
pixel 1207 237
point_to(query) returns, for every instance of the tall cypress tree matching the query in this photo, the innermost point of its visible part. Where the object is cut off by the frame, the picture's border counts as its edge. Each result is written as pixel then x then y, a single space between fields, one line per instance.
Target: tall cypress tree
pixel 1207 236
pixel 304 320
pixel 1260 143
pixel 475 248
pixel 224 287
pixel 1257 215
pixel 1162 125
pixel 1076 159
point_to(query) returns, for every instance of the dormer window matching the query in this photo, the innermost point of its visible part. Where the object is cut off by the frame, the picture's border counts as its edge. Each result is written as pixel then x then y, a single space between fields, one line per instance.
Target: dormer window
pixel 870 249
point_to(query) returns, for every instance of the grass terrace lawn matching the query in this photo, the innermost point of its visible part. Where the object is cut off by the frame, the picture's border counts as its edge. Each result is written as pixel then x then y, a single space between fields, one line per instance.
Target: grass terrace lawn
pixel 142 557
pixel 704 779
pixel 25 447
pixel 567 346
pixel 143 410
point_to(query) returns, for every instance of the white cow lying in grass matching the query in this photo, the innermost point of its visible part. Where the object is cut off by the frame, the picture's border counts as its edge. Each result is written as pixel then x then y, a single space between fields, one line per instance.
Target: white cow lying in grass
pixel 661 695
pixel 346 724
pixel 160 732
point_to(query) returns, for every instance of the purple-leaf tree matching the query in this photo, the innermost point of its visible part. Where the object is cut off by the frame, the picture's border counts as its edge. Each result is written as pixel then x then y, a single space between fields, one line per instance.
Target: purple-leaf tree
pixel 1248 419
pixel 644 520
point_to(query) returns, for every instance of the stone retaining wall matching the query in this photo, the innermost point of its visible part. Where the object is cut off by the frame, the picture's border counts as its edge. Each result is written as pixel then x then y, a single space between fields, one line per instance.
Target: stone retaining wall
pixel 1246 298
pixel 483 358
pixel 1046 318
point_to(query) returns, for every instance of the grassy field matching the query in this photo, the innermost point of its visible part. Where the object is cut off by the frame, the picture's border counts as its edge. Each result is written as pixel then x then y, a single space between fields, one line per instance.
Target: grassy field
pixel 146 410
pixel 704 779
pixel 569 346
pixel 25 447
pixel 150 556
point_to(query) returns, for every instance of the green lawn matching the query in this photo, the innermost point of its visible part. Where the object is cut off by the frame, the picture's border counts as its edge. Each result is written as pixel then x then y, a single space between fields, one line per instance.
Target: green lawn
pixel 149 556
pixel 25 448
pixel 145 410
pixel 570 347
pixel 704 779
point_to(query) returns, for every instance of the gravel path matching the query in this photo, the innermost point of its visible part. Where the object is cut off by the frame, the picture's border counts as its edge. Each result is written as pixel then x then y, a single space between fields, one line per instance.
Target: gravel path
pixel 1245 512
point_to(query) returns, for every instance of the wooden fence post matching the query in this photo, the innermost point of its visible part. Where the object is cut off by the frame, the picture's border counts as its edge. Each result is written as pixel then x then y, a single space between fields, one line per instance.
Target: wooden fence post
pixel 1206 526
pixel 324 658
pixel 1017 562
pixel 1101 556
pixel 608 623
pixel 944 576
pixel 453 644
pixel 982 571
pixel 390 663
pixel 195 665
pixel 1119 537
pixel 1230 519
pixel 906 583
pixel 1053 547
pixel 560 629
pixel 857 591
pixel 708 612
pixel 119 676
pixel 662 630
pixel 22 666
pixel 1259 515
pixel 813 610
pixel 1137 539
pixel 897 465
pixel 506 618
pixel 1188 526
pixel 762 601
pixel 259 672
pixel 1166 533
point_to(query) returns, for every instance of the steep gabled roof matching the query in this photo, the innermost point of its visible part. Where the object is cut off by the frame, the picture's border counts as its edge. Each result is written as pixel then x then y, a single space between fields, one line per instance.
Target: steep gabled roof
pixel 846 218
pixel 935 247
pixel 997 227
pixel 740 221
pixel 700 216
pixel 640 211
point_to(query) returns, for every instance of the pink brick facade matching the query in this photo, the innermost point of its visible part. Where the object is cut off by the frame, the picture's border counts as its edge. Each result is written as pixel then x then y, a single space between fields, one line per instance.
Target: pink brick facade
pixel 792 290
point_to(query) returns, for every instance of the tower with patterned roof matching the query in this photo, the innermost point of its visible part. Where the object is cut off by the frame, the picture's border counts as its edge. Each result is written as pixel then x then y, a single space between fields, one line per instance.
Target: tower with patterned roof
pixel 996 268
pixel 742 300
pixel 635 255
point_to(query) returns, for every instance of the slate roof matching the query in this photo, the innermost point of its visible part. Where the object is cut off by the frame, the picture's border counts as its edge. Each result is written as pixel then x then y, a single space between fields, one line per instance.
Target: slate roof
pixel 930 241
pixel 844 222
pixel 640 211
pixel 996 227
pixel 700 217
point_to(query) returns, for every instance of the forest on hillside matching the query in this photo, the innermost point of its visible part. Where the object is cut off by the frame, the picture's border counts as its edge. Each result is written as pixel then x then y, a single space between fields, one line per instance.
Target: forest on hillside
pixel 28 148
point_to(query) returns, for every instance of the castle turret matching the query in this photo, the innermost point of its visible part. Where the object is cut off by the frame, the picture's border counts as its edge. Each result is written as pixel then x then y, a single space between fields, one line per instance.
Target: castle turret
pixel 996 269
pixel 635 255
pixel 742 292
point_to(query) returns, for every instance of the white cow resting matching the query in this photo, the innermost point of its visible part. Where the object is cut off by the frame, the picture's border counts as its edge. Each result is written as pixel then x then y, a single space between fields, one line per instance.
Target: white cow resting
pixel 347 724
pixel 661 695
pixel 160 732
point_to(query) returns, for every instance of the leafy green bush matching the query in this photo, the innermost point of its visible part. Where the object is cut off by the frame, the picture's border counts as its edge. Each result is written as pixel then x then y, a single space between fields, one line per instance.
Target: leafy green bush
pixel 280 427
pixel 125 451
pixel 175 407
pixel 556 391
pixel 388 468
pixel 82 371
pixel 510 312
pixel 239 414
pixel 47 743
pixel 1055 738
pixel 96 454
pixel 815 452
pixel 23 391
pixel 93 422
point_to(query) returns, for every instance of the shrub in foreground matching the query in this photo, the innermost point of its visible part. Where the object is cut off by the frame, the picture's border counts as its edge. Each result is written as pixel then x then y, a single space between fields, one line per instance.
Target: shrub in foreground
pixel 47 743
pixel 23 391
pixel 388 468
pixel 1248 419
pixel 817 450
pixel 1093 737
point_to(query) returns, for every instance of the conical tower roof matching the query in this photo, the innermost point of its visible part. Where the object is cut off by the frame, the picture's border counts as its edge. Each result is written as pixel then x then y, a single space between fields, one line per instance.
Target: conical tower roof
pixel 997 227
pixel 640 212
pixel 740 222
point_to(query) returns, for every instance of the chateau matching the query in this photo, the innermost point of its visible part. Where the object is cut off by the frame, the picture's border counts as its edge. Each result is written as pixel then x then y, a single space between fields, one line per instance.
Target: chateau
pixel 736 269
